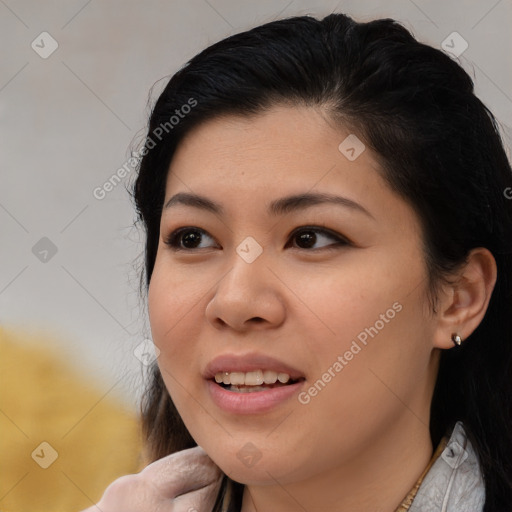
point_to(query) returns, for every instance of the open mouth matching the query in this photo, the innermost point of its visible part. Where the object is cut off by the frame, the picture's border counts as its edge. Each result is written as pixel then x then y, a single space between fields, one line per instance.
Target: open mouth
pixel 250 382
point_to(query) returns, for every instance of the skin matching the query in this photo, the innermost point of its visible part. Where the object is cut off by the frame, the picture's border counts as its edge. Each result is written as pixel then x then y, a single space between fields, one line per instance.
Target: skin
pixel 361 443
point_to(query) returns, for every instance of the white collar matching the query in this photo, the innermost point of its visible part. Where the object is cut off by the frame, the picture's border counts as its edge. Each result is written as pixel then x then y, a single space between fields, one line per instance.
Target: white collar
pixel 454 483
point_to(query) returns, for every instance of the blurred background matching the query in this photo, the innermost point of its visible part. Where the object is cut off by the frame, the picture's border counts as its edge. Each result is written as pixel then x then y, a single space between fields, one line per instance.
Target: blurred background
pixel 75 82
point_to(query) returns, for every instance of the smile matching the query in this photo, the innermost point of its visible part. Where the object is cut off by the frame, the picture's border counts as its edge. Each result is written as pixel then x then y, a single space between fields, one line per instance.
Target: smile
pixel 251 383
pixel 253 378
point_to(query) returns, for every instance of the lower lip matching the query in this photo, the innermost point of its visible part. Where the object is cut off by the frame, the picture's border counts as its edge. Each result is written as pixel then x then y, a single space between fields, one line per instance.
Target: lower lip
pixel 253 402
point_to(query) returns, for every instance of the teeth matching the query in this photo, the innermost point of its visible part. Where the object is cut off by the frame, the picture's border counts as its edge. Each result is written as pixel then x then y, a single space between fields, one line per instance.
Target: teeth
pixel 236 378
pixel 283 377
pixel 255 378
pixel 252 378
pixel 269 377
pixel 249 389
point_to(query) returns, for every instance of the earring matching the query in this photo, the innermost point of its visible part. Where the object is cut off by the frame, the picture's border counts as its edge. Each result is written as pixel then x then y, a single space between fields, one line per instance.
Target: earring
pixel 456 339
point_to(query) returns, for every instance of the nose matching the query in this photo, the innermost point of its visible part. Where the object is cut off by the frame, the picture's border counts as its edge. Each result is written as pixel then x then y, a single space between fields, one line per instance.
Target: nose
pixel 249 296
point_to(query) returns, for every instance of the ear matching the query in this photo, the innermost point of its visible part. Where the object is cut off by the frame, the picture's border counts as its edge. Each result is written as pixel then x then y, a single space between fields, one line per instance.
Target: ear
pixel 463 304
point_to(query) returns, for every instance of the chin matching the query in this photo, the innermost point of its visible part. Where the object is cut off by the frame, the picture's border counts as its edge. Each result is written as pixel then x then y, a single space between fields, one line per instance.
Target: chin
pixel 260 474
pixel 251 466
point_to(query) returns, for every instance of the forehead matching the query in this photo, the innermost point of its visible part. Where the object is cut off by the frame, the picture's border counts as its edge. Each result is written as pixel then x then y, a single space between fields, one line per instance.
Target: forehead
pixel 282 145
pixel 246 163
pixel 249 166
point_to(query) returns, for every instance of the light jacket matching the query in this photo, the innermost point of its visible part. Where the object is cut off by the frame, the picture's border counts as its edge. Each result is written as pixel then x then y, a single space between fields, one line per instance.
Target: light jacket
pixel 454 483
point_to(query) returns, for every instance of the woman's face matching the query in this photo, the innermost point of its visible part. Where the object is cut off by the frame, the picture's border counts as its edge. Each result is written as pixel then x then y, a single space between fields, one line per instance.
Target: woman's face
pixel 328 293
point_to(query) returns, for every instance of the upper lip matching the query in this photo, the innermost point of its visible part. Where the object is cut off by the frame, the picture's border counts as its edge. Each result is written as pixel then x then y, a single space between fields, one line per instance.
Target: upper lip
pixel 248 363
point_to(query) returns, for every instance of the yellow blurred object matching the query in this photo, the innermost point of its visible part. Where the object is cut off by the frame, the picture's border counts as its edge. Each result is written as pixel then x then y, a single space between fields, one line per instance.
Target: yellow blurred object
pixel 50 417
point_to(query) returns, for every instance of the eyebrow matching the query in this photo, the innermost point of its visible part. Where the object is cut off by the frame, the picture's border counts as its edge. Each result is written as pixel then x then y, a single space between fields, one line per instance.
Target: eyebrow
pixel 281 206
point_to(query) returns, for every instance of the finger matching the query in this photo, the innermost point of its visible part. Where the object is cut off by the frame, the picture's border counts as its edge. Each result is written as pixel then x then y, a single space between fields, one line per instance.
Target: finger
pixel 182 472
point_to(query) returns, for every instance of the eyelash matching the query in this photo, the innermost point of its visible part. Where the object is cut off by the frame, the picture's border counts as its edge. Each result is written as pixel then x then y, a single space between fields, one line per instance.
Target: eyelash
pixel 173 240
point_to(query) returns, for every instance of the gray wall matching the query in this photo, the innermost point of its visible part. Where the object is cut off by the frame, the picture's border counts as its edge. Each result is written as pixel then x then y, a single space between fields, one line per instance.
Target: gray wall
pixel 67 122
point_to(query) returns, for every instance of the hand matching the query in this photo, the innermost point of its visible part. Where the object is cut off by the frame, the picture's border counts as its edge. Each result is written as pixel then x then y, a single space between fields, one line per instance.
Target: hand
pixel 186 481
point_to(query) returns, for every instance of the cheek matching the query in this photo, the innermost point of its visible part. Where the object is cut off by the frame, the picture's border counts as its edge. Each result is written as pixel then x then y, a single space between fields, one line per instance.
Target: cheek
pixel 376 334
pixel 169 309
pixel 349 301
pixel 172 302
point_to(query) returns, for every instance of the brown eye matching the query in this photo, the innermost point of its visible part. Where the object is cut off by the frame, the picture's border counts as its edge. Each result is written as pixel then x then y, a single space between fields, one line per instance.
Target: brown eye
pixel 186 239
pixel 306 238
pixel 191 238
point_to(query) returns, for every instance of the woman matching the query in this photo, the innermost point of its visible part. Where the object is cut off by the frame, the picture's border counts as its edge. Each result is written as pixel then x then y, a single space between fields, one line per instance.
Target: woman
pixel 328 264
